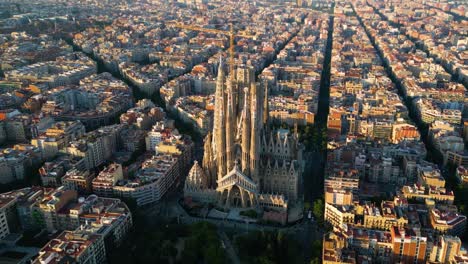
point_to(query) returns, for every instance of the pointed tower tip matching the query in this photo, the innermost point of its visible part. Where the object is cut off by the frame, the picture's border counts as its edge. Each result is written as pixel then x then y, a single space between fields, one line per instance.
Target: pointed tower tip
pixel 221 66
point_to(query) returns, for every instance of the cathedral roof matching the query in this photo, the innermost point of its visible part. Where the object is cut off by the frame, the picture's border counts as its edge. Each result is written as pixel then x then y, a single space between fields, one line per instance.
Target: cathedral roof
pixel 237 170
pixel 236 177
pixel 196 176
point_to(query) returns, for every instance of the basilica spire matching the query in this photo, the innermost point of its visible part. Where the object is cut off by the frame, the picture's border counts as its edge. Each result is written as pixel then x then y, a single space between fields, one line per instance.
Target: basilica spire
pixel 254 135
pixel 246 131
pixel 208 160
pixel 230 127
pixel 265 108
pixel 219 126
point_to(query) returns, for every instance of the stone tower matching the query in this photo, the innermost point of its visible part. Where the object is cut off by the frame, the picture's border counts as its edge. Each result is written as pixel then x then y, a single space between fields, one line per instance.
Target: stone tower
pixel 230 127
pixel 246 163
pixel 219 125
pixel 255 95
pixel 246 131
pixel 208 164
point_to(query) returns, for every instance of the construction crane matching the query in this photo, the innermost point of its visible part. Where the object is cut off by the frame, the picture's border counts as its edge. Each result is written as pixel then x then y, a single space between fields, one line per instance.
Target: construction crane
pixel 231 34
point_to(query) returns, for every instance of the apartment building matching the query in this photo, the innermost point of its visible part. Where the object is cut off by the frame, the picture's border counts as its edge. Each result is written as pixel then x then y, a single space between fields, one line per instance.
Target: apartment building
pixel 78 180
pixel 73 247
pixel 408 245
pixel 103 184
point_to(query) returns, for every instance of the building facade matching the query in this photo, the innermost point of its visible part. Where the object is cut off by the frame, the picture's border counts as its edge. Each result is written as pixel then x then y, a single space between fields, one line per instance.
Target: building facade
pixel 408 246
pixel 244 160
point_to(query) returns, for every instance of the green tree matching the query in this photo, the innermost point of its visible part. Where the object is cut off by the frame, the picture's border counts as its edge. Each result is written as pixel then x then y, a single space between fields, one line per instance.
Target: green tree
pixel 268 247
pixel 318 209
pixel 315 261
pixel 211 252
pixel 316 249
pixel 315 137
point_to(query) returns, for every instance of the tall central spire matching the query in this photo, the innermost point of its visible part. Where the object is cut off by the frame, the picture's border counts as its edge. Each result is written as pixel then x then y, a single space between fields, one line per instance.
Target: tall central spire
pixel 219 125
pixel 246 131
pixel 254 136
pixel 265 108
pixel 230 127
pixel 233 129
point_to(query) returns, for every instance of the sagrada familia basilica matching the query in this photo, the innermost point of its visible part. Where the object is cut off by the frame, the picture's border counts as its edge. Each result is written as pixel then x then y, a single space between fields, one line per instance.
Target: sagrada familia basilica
pixel 246 163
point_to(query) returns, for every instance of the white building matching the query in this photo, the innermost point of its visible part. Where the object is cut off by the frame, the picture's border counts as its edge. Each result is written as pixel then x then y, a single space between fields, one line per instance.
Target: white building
pixel 157 175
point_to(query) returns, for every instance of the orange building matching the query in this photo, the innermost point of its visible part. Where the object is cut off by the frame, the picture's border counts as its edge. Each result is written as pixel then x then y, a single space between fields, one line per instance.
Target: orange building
pixel 404 131
pixel 408 246
pixel 334 123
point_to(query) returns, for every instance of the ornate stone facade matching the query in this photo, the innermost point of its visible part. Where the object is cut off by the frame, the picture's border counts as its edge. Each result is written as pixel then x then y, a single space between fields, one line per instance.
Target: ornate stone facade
pixel 246 163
